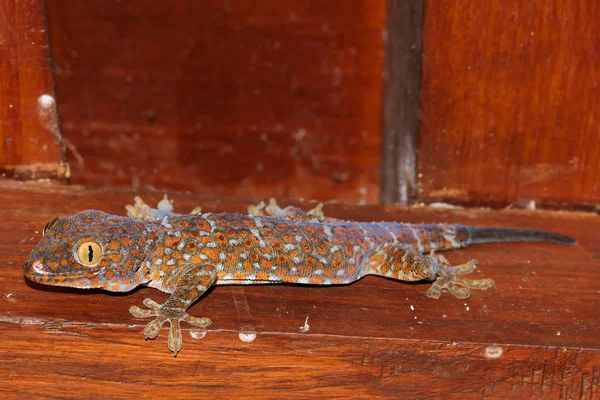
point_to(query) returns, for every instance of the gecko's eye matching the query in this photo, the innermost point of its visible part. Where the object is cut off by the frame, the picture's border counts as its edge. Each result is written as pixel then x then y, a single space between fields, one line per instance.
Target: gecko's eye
pixel 89 253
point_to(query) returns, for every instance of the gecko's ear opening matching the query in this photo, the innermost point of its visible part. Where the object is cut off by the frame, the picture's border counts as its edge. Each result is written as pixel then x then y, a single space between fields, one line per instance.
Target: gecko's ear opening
pixel 49 226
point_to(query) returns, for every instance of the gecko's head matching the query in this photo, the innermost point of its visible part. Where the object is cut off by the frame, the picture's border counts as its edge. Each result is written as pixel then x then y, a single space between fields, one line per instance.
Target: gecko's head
pixel 90 249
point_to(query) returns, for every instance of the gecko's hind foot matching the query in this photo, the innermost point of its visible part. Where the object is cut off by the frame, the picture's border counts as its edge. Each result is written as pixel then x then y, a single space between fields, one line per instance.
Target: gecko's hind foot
pixel 164 314
pixel 141 210
pixel 290 212
pixel 448 279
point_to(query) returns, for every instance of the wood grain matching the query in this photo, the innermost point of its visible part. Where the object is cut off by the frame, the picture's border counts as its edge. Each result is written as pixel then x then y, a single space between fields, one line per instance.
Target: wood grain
pixel 510 105
pixel 534 335
pixel 226 97
pixel 30 142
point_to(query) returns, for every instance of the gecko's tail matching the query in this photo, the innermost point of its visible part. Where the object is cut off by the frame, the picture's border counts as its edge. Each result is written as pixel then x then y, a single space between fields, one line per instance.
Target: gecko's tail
pixel 478 234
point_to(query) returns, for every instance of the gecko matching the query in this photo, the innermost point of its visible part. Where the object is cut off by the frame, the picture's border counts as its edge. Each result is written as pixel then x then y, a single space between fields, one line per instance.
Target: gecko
pixel 185 254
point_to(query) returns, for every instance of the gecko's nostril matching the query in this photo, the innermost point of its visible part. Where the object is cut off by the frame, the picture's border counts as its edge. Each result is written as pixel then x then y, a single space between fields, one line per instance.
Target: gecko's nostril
pixel 38 267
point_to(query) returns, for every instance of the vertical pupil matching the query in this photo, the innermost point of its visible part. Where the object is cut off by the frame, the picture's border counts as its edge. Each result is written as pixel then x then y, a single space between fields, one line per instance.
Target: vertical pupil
pixel 90 253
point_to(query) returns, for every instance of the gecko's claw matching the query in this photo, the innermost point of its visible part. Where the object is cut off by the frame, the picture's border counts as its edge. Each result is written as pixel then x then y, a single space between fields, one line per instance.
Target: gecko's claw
pixel 163 314
pixel 458 287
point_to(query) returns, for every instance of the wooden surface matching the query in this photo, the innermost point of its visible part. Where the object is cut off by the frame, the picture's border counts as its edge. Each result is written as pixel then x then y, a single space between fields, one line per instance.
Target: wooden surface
pixel 30 142
pixel 534 335
pixel 509 102
pixel 238 97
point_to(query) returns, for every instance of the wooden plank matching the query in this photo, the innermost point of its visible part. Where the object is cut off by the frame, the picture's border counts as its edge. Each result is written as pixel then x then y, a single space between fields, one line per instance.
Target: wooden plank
pixel 534 335
pixel 69 361
pixel 30 143
pixel 510 102
pixel 401 101
pixel 248 98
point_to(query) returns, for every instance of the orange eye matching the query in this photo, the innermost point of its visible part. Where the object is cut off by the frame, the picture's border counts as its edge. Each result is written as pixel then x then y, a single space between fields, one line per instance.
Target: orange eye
pixel 49 226
pixel 89 253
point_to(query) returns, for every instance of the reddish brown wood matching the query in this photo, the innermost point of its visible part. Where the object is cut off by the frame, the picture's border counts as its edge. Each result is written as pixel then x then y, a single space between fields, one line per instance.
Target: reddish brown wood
pixel 534 335
pixel 30 142
pixel 510 105
pixel 237 97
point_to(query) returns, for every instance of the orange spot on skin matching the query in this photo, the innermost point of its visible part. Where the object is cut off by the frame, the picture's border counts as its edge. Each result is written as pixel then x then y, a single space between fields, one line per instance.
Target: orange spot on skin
pixel 281 227
pixel 184 224
pixel 266 265
pixel 172 242
pixel 248 267
pixel 222 241
pixel 203 225
pixel 212 253
pixel 262 275
pixel 310 230
pixel 113 245
pixel 126 241
pixel 114 257
pixel 322 250
pixel 205 281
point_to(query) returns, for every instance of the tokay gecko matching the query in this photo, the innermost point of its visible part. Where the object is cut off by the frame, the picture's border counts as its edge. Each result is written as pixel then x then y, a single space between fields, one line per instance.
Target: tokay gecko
pixel 184 255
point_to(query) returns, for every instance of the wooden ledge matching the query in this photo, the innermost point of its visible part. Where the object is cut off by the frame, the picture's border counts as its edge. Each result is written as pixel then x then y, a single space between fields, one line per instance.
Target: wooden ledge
pixel 535 334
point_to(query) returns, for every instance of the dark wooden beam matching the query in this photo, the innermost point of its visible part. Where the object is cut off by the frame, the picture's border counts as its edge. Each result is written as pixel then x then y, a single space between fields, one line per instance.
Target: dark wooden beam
pixel 401 100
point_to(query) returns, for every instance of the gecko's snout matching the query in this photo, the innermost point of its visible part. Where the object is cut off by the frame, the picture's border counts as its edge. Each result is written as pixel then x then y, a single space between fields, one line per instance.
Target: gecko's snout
pixel 34 270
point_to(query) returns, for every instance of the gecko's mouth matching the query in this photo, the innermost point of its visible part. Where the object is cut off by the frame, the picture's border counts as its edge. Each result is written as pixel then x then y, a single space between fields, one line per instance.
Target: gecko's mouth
pixel 37 272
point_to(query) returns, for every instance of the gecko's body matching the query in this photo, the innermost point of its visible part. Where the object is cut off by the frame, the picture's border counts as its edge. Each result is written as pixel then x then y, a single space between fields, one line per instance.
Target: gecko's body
pixel 186 254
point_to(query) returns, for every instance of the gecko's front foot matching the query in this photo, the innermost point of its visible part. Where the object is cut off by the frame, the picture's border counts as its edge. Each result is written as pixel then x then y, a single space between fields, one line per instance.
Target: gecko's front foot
pixel 448 278
pixel 165 314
